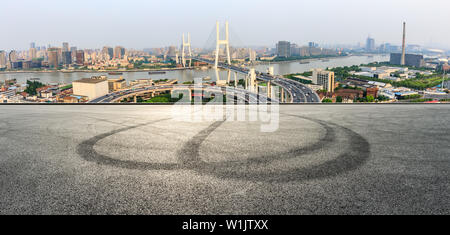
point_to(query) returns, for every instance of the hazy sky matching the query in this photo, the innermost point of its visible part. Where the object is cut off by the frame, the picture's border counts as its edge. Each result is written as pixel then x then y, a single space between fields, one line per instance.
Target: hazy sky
pixel 157 23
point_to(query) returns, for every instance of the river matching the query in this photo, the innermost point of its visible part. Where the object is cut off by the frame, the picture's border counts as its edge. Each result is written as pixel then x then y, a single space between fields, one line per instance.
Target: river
pixel 189 75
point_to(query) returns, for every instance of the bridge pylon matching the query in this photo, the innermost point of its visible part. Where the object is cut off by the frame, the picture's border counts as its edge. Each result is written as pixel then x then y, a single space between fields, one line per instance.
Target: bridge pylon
pixel 186 46
pixel 220 82
pixel 220 42
pixel 252 80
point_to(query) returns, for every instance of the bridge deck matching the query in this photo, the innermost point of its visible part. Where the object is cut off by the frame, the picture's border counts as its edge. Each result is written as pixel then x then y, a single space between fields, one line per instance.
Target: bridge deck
pixel 298 92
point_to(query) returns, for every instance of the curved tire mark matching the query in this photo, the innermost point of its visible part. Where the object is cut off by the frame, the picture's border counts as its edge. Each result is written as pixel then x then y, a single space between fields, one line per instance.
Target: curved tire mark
pixel 353 158
pixel 86 150
pixel 189 157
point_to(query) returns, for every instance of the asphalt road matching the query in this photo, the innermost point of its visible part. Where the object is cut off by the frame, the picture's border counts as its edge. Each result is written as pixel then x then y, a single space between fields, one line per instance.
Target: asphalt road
pixel 300 92
pixel 348 159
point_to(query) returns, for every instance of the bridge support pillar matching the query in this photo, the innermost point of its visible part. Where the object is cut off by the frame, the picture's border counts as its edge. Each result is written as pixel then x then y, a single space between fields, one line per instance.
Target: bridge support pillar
pixel 186 45
pixel 252 77
pixel 225 42
pixel 220 82
pixel 246 82
pixel 135 99
pixel 184 93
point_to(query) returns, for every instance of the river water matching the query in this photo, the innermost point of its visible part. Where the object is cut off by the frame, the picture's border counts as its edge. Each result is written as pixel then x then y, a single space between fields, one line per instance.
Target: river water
pixel 189 75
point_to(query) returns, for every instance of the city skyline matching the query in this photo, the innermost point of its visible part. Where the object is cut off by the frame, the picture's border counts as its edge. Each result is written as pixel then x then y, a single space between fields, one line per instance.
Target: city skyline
pixel 136 24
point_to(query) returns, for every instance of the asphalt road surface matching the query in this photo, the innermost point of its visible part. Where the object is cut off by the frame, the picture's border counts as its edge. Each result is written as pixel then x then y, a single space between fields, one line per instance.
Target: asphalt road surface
pixel 323 159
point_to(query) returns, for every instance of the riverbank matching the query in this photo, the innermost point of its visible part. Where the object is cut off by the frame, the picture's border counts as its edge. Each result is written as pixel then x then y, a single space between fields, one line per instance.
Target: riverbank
pixel 300 60
pixel 98 71
pixel 183 74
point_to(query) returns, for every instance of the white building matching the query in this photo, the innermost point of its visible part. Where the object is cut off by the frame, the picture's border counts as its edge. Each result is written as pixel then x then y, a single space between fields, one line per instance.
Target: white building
pixel 90 87
pixel 368 69
pixel 324 78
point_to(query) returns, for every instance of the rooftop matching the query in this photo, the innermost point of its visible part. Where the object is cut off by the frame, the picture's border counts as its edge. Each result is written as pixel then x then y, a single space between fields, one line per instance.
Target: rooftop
pixel 90 80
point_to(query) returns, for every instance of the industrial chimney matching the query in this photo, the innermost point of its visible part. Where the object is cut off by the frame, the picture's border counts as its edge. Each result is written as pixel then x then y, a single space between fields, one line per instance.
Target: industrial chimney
pixel 402 62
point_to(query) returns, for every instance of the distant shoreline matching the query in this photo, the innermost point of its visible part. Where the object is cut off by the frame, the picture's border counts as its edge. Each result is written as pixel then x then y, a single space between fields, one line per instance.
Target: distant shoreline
pixel 177 69
pixel 300 60
pixel 315 59
pixel 97 71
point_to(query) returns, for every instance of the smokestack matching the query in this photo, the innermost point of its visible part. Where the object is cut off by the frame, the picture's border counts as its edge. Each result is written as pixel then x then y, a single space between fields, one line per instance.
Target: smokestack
pixel 403 45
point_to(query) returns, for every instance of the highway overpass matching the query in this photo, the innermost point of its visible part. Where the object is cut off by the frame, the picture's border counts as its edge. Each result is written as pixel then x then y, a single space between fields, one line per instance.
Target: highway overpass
pixel 241 94
pixel 299 92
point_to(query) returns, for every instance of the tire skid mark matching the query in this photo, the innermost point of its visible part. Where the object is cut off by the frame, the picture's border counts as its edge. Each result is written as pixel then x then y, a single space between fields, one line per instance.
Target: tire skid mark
pixel 356 154
pixel 86 150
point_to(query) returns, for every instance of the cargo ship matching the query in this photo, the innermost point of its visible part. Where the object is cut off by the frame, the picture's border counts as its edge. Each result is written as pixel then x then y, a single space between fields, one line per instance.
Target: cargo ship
pixel 115 73
pixel 157 72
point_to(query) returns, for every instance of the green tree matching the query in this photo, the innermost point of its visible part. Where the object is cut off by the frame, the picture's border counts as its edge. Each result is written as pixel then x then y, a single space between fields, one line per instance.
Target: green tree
pixel 32 86
pixel 327 100
pixel 370 98
pixel 383 98
pixel 339 99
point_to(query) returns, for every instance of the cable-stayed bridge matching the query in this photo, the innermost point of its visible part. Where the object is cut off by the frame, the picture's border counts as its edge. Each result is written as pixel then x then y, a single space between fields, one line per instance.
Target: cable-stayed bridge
pixel 291 91
pixel 286 90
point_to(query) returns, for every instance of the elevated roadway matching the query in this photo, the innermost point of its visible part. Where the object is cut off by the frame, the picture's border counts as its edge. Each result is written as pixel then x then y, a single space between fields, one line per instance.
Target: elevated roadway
pixel 298 92
pixel 242 94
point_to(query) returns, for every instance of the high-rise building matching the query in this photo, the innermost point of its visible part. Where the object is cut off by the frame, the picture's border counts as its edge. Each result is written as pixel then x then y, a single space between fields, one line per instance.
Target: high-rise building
pixel 80 57
pixel 26 64
pixel 73 50
pixel 108 51
pixel 12 56
pixel 313 44
pixel 119 52
pixel 324 78
pixel 172 51
pixel 370 44
pixel 53 60
pixel 3 59
pixel 60 50
pixel 252 55
pixel 32 53
pixel 284 49
pixel 65 46
pixel 66 57
pixel 32 45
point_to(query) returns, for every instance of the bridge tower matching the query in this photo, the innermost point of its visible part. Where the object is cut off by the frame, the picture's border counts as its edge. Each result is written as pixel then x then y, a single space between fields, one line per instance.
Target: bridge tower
pixel 252 80
pixel 225 42
pixel 186 46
